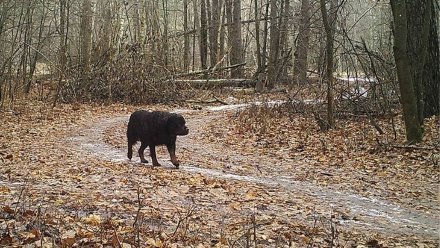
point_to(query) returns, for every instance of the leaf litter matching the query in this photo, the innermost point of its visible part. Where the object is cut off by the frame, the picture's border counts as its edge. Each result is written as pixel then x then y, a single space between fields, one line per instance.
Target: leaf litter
pixel 64 181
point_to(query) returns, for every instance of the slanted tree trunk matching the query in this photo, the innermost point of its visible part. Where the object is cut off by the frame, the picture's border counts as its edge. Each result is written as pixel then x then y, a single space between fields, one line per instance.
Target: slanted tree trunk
pixel 300 63
pixel 406 84
pixel 272 67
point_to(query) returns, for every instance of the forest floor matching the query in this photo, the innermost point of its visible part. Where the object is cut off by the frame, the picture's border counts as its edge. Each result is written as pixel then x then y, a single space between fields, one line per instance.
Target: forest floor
pixel 244 180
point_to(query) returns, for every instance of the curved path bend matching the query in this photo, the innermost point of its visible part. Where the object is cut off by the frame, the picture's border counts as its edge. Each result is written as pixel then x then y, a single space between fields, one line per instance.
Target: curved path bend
pixel 372 213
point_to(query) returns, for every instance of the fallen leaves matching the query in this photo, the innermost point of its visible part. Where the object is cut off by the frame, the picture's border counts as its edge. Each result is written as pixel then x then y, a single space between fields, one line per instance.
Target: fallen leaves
pixel 53 193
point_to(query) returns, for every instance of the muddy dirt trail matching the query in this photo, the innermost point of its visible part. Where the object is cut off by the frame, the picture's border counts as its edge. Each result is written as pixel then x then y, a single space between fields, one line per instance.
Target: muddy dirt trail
pixel 364 213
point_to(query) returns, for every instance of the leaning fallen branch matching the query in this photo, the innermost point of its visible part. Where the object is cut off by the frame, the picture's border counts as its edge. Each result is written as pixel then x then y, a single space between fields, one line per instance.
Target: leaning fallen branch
pixel 215 100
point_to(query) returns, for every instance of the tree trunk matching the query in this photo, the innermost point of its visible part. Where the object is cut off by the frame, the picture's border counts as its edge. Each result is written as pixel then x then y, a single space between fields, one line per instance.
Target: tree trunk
pixel 286 51
pixel 272 67
pixel 213 34
pixel 418 19
pixel 165 33
pixel 222 37
pixel 235 39
pixel 63 49
pixel 197 29
pixel 257 36
pixel 265 34
pixel 86 38
pixel 432 66
pixel 300 64
pixel 203 35
pixel 407 91
pixel 137 22
pixel 328 76
pixel 186 37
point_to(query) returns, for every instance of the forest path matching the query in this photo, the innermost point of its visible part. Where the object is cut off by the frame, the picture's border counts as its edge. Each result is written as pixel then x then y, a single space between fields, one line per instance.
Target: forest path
pixel 285 192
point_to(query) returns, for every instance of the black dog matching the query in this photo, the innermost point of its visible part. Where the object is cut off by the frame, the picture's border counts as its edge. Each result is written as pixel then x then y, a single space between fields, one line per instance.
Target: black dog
pixel 153 129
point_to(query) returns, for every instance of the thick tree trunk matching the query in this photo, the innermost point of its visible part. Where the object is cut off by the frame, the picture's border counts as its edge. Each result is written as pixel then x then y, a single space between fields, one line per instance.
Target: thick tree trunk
pixel 300 64
pixel 236 46
pixel 432 66
pixel 418 19
pixel 407 91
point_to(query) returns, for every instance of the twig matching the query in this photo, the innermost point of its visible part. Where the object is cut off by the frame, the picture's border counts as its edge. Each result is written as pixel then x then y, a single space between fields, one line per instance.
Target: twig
pixel 414 147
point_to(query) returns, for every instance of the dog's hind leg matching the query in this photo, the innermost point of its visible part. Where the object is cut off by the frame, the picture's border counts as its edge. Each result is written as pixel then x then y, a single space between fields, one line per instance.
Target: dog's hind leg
pixel 141 152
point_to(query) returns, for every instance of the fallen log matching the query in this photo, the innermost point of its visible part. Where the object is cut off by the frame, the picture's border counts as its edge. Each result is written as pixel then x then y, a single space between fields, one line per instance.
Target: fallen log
pixel 217 82
pixel 206 71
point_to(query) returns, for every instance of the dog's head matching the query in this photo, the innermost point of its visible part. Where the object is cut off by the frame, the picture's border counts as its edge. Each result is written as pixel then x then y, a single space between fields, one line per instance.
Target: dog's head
pixel 176 125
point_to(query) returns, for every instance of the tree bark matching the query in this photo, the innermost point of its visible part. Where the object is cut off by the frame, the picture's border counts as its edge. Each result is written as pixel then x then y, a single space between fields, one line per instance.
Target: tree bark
pixel 62 57
pixel 272 67
pixel 328 76
pixel 203 35
pixel 186 37
pixel 235 38
pixel 197 28
pixel 407 91
pixel 300 64
pixel 86 37
pixel 432 66
pixel 286 51
pixel 213 34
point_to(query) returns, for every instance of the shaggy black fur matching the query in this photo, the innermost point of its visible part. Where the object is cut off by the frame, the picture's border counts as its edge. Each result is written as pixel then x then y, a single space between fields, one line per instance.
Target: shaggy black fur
pixel 153 129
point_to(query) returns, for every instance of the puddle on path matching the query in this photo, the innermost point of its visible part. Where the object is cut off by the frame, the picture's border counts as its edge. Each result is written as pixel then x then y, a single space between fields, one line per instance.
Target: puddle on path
pixel 373 213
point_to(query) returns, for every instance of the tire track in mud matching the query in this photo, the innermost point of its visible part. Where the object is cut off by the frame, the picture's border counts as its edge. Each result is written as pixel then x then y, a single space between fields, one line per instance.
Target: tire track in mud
pixel 371 213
